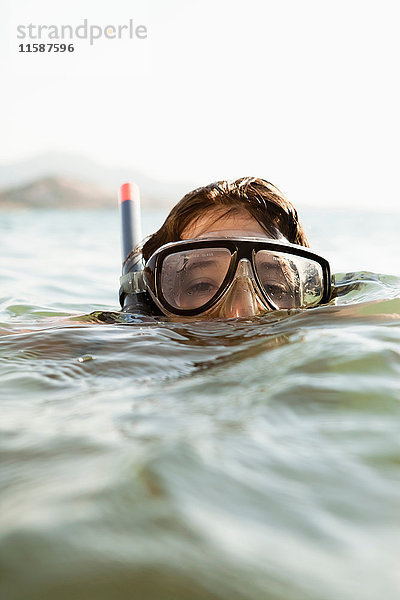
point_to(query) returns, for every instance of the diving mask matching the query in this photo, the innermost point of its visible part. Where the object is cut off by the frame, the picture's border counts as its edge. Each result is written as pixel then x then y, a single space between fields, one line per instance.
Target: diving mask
pixel 231 277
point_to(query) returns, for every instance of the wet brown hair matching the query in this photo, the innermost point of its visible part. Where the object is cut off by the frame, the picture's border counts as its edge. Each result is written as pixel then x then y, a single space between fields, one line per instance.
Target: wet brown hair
pixel 260 198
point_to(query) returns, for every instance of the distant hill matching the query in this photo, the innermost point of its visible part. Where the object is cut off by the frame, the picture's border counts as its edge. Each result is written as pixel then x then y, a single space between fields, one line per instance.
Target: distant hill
pixel 56 192
pixel 63 167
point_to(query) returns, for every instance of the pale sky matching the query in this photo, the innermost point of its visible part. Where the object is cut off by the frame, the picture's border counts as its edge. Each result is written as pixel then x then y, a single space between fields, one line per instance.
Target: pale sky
pixel 304 93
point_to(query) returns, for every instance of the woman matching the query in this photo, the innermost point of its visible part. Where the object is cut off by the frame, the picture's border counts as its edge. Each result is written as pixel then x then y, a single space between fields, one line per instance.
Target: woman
pixel 226 250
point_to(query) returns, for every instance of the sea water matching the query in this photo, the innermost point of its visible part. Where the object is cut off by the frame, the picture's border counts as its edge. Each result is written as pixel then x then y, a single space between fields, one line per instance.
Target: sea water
pixel 239 459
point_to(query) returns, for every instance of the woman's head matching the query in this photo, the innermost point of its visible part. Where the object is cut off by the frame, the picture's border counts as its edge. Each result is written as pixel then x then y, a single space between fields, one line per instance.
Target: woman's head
pixel 231 249
pixel 247 198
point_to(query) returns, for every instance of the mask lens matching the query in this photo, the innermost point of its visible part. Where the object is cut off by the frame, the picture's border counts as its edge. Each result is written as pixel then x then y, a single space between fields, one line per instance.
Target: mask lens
pixel 290 281
pixel 189 279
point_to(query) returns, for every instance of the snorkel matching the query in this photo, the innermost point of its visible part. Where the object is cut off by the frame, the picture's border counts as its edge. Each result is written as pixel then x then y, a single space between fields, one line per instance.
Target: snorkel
pixel 137 301
pixel 131 226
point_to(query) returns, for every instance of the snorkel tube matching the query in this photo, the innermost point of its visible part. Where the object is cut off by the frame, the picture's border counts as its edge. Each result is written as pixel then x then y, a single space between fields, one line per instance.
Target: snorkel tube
pixel 132 294
pixel 131 225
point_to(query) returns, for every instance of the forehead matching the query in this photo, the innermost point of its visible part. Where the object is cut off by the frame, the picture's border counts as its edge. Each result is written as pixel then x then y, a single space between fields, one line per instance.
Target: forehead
pixel 223 224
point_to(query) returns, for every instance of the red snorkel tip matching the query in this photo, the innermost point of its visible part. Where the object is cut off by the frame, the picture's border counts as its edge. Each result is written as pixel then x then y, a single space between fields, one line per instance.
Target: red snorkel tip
pixel 128 191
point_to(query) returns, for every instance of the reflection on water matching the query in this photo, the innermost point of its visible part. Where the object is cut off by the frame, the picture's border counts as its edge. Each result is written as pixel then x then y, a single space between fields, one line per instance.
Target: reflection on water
pixel 240 459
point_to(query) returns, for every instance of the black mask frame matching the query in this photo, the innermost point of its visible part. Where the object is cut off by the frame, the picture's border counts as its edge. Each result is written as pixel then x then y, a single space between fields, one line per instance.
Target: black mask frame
pixel 239 249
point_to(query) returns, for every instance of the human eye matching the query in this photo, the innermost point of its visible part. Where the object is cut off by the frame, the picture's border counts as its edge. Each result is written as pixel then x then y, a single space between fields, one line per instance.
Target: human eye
pixel 279 291
pixel 200 288
pixel 272 276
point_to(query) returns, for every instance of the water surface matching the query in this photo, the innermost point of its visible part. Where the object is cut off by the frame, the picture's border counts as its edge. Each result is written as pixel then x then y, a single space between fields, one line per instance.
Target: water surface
pixel 236 459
